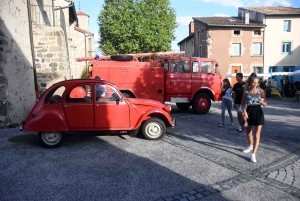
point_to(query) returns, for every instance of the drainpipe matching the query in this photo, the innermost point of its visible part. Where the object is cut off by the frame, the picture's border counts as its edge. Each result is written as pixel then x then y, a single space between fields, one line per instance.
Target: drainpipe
pixel 36 86
pixel 65 32
pixel 86 35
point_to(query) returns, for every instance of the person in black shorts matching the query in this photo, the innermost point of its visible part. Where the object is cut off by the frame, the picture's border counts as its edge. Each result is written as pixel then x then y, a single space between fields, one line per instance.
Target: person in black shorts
pixel 253 99
pixel 238 89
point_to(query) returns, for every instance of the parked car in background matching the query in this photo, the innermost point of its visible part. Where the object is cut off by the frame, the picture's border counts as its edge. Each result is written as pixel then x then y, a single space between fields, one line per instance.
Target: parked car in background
pixel 73 105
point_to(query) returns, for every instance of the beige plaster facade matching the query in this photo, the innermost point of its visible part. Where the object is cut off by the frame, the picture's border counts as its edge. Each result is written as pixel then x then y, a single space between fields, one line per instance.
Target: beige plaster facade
pixel 275 36
pixel 217 42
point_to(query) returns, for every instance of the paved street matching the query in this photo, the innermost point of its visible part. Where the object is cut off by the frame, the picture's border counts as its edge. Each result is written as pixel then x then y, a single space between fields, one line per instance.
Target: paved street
pixel 197 160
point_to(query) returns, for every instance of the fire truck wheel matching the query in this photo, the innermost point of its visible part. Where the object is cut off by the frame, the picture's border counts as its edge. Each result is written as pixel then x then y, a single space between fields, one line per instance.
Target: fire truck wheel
pixel 51 140
pixel 121 57
pixel 154 129
pixel 183 106
pixel 201 103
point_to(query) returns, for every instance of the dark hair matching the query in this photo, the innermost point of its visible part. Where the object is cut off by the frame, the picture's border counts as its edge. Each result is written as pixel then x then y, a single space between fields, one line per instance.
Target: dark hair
pixel 251 78
pixel 228 83
pixel 240 75
pixel 97 78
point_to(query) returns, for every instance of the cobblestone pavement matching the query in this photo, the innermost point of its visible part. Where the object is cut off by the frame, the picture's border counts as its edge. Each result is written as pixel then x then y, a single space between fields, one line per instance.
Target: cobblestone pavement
pixel 196 160
pixel 282 174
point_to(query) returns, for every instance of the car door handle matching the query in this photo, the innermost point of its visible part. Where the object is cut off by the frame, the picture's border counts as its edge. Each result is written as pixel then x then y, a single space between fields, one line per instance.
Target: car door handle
pixel 172 81
pixel 65 105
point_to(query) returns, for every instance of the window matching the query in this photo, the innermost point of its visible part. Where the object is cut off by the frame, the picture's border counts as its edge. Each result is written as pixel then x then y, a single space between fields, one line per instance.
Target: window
pixel 200 51
pixel 258 69
pixel 79 94
pixel 198 36
pixel 180 66
pixel 257 48
pixel 236 49
pixel 202 30
pixel 195 67
pixel 286 48
pixel 55 95
pixel 237 32
pixel 286 25
pixel 208 67
pixel 166 66
pixel 257 32
pixel 107 93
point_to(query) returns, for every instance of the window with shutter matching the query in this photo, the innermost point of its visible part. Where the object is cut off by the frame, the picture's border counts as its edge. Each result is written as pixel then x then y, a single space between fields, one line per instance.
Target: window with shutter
pixel 236 49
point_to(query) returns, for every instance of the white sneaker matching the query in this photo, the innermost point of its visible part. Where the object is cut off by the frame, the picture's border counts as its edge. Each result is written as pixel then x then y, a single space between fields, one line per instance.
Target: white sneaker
pixel 221 125
pixel 248 149
pixel 240 129
pixel 253 158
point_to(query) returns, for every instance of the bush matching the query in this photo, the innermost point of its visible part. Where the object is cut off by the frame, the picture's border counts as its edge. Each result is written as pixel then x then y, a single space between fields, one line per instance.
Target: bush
pixel 83 74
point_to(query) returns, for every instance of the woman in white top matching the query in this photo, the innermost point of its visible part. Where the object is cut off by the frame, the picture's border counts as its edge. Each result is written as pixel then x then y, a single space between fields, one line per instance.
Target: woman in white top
pixel 226 101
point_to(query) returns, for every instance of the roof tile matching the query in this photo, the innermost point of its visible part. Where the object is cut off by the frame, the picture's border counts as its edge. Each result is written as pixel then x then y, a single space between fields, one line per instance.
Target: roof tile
pixel 275 10
pixel 82 13
pixel 227 21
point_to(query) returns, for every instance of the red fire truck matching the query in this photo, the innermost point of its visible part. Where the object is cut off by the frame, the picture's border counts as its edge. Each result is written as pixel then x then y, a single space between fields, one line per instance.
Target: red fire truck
pixel 166 77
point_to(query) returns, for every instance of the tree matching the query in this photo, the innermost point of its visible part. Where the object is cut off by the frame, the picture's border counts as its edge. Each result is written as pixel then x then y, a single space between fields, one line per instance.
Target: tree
pixel 135 26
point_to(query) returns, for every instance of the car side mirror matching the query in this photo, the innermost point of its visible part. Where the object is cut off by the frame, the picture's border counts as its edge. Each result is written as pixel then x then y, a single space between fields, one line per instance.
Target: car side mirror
pixel 115 97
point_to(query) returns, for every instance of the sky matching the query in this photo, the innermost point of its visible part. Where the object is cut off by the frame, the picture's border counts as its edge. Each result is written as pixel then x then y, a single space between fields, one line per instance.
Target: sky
pixel 185 10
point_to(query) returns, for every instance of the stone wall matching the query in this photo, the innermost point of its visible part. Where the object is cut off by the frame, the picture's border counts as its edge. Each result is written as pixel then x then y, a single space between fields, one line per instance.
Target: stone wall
pixel 17 90
pixel 51 57
pixel 188 47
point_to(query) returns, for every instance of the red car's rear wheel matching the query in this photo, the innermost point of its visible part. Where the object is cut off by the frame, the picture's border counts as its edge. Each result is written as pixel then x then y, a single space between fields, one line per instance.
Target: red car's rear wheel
pixel 51 140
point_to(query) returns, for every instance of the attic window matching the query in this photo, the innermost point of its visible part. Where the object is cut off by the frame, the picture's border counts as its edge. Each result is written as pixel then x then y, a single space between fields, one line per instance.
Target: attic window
pixel 237 32
pixel 232 20
pixel 257 32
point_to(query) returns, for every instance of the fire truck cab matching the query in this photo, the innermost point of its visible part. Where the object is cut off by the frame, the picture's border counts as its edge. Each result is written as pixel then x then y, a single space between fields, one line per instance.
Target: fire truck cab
pixel 166 77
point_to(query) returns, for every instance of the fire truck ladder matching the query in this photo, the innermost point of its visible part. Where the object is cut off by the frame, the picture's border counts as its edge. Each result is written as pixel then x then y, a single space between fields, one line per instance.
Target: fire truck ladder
pixel 135 56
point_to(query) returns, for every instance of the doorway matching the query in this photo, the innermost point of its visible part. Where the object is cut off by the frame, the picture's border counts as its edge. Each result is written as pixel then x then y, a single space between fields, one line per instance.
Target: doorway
pixel 234 70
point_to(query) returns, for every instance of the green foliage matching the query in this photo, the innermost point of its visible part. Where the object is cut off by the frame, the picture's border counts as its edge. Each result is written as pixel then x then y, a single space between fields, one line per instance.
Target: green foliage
pixel 83 74
pixel 135 26
pixel 275 93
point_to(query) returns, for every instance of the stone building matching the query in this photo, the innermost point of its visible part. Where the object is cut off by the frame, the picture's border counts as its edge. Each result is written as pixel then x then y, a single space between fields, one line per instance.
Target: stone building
pixel 17 86
pixel 237 44
pixel 40 41
pixel 187 44
pixel 60 35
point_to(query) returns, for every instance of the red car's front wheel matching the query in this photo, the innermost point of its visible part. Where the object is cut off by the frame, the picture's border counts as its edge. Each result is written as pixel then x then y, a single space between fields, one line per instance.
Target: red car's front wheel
pixel 154 129
pixel 51 140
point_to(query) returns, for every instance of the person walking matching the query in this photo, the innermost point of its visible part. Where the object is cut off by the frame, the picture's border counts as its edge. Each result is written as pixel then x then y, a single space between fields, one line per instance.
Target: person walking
pixel 238 89
pixel 269 89
pixel 253 99
pixel 226 101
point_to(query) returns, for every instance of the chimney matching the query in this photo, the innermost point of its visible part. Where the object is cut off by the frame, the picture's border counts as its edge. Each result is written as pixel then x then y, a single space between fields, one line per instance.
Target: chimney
pixel 191 28
pixel 247 17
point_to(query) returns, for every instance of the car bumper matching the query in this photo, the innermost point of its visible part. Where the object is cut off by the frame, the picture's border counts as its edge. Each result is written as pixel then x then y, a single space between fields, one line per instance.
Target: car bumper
pixel 173 121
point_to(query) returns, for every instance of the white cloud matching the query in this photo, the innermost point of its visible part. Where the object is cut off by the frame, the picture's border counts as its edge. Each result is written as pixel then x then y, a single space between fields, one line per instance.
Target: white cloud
pixel 221 15
pixel 97 37
pixel 239 3
pixel 184 20
pixel 286 3
pixel 234 3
